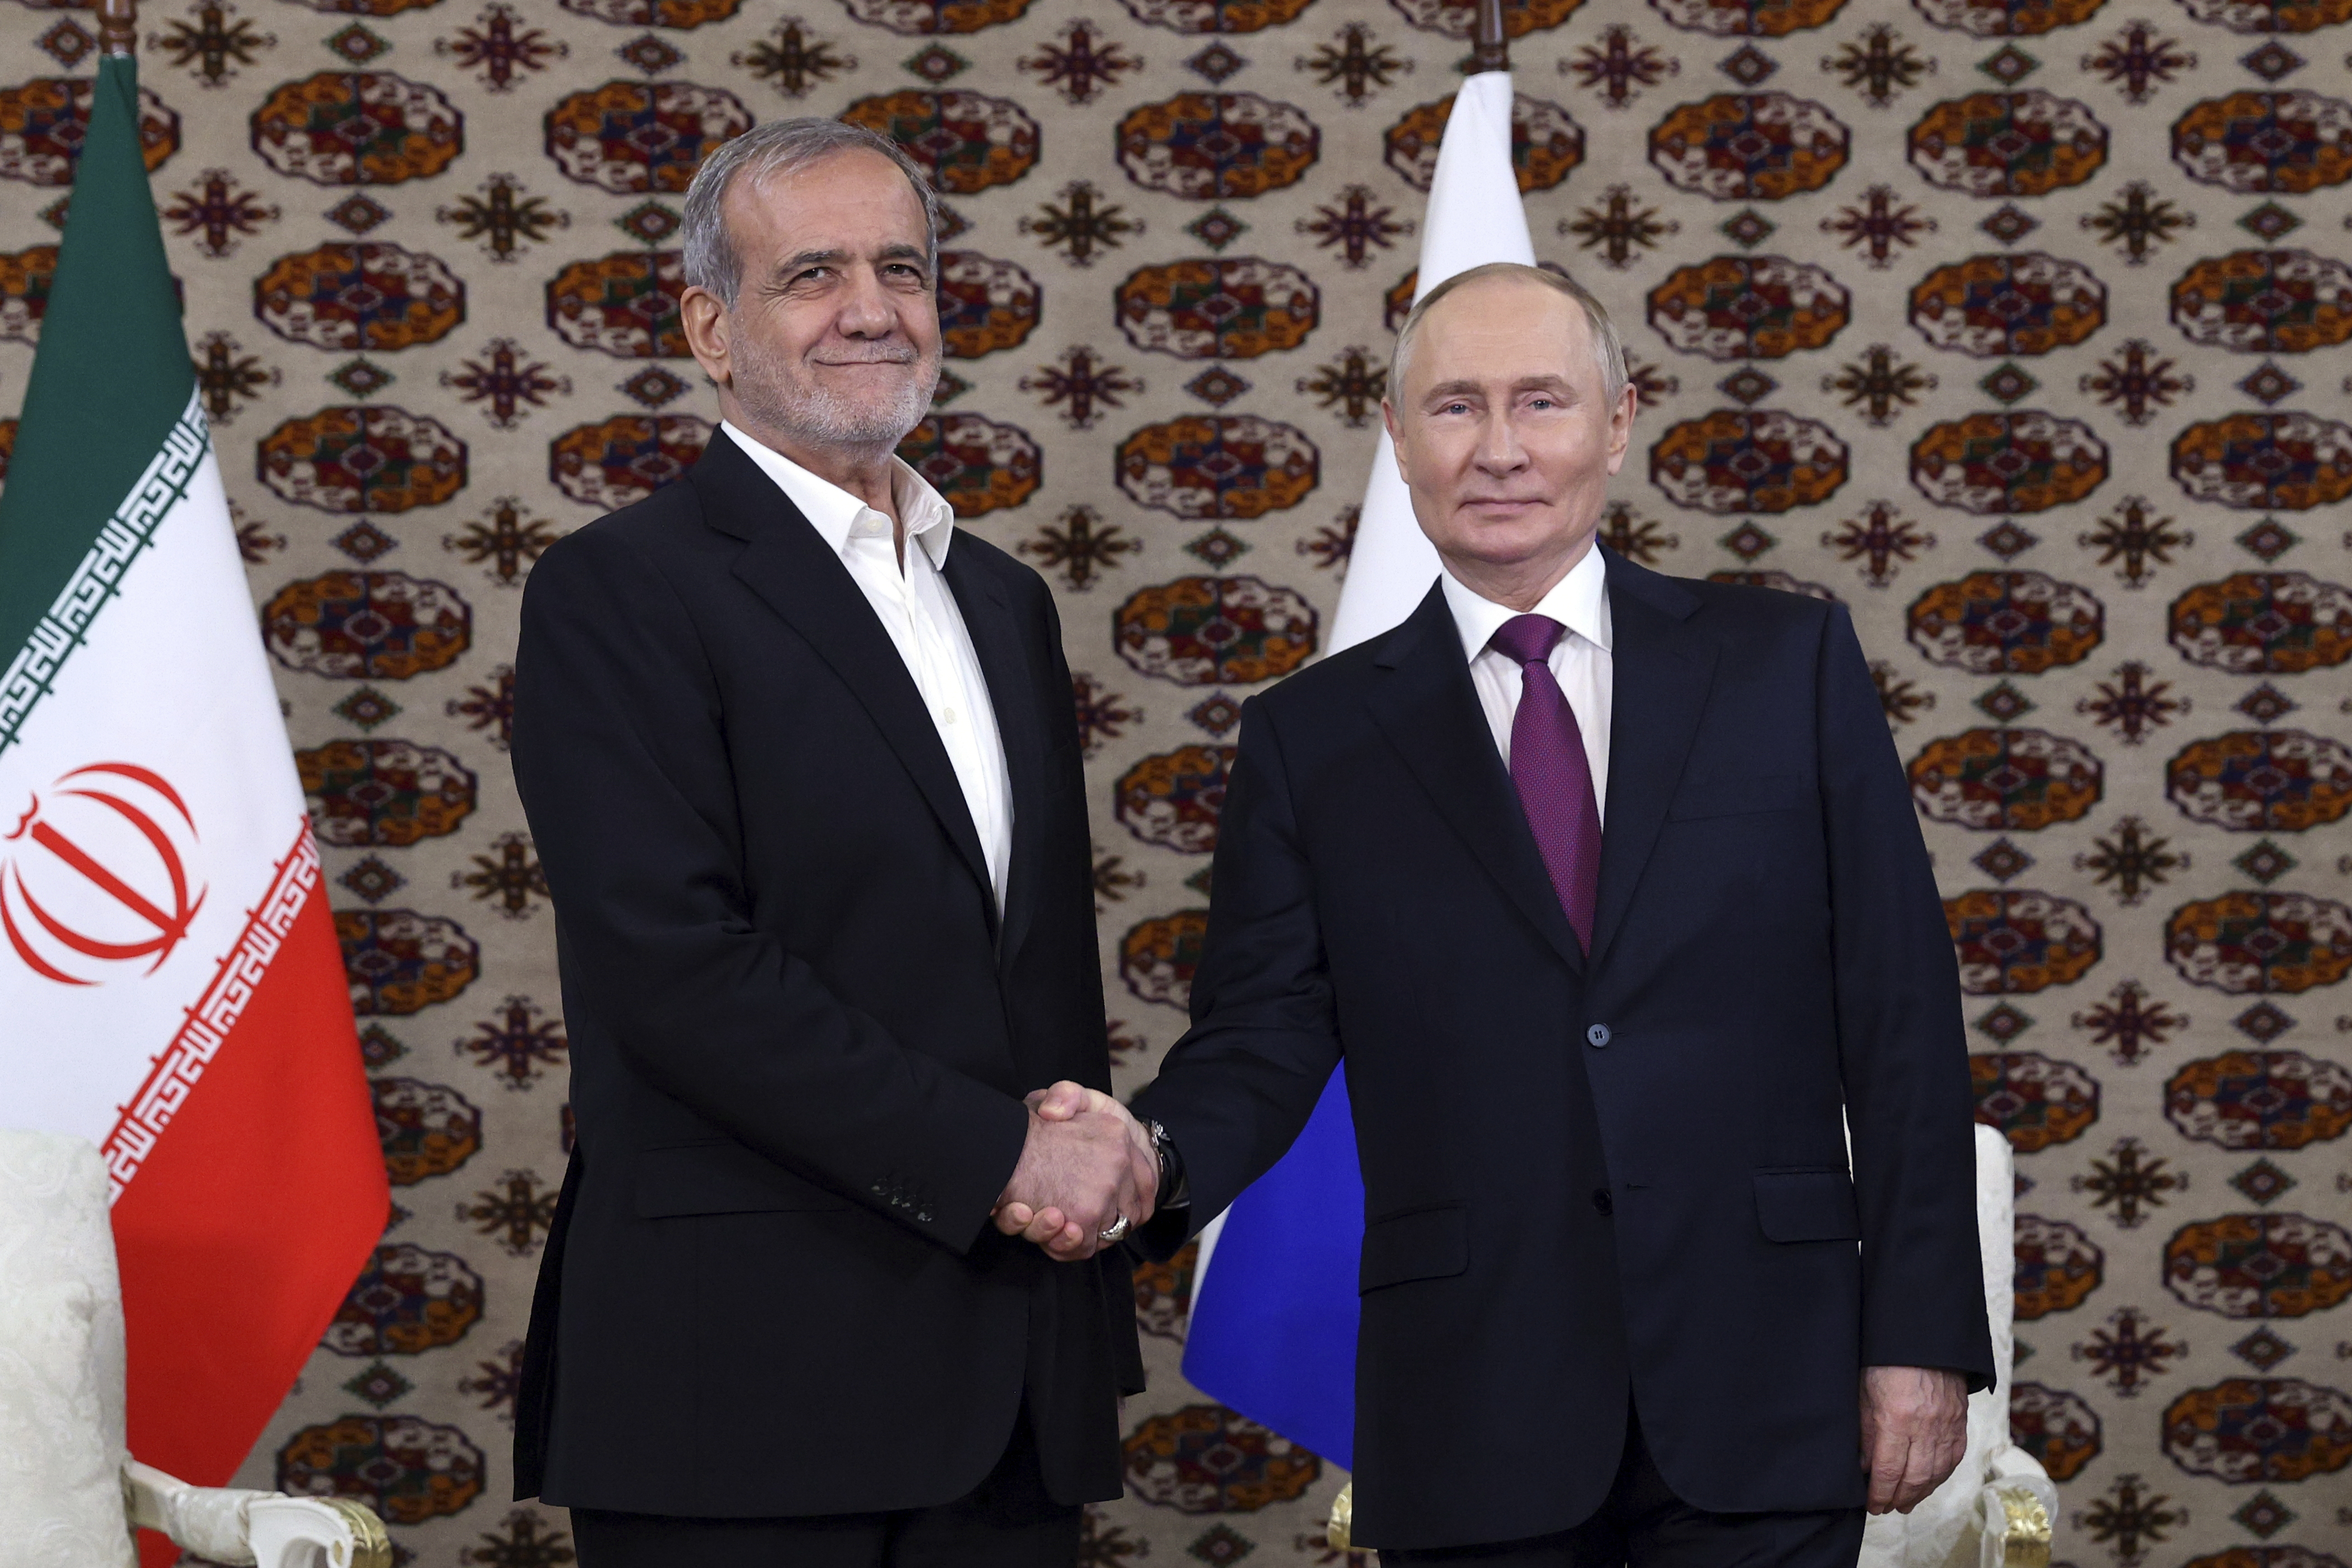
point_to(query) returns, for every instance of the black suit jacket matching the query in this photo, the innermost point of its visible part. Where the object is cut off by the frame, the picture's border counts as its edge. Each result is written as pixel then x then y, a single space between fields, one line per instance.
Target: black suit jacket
pixel 800 1034
pixel 1586 1175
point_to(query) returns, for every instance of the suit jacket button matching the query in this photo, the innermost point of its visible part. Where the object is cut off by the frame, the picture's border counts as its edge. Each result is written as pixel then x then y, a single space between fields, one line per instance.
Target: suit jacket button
pixel 1602 1204
pixel 1598 1035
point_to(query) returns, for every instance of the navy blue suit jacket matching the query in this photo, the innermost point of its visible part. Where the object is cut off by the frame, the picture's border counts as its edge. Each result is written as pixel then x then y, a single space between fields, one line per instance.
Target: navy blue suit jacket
pixel 1626 1173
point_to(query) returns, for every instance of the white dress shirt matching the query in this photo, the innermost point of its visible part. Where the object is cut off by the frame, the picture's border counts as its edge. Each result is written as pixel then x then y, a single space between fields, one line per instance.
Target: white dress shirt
pixel 1580 660
pixel 916 609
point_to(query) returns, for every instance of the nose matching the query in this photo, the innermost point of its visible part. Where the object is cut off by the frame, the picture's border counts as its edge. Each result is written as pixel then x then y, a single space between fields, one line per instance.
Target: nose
pixel 865 310
pixel 1499 450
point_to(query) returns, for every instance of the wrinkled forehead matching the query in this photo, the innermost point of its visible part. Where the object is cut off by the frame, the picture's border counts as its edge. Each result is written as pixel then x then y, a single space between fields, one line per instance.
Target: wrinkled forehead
pixel 1504 328
pixel 852 199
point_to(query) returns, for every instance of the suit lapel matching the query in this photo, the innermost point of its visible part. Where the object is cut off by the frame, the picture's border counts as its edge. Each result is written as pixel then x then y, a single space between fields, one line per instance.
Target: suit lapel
pixel 1005 662
pixel 788 564
pixel 1660 674
pixel 1429 711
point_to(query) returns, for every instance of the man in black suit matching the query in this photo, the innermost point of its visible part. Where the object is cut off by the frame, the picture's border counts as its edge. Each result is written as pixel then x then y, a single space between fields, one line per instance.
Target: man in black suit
pixel 1614 1306
pixel 802 764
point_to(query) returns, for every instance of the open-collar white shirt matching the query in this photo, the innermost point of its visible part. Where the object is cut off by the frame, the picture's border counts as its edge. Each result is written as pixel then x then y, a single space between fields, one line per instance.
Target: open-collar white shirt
pixel 1580 660
pixel 918 610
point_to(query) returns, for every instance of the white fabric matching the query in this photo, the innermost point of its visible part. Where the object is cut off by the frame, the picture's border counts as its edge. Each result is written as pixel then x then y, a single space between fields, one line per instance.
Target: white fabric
pixel 916 609
pixel 1473 216
pixel 1580 661
pixel 1942 1533
pixel 61 1434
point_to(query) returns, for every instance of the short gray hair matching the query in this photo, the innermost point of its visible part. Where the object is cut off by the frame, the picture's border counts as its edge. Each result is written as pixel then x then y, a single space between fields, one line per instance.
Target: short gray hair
pixel 779 147
pixel 1608 347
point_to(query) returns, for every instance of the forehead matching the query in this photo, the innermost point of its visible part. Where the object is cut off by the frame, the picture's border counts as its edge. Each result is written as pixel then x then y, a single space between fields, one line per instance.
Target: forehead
pixel 847 199
pixel 1503 328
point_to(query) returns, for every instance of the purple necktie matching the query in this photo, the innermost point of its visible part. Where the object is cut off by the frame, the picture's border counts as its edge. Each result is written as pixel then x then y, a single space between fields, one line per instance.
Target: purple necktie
pixel 1550 769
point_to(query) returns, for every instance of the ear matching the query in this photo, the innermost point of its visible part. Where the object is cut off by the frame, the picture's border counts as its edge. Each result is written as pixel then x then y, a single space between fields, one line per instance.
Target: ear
pixel 703 317
pixel 1621 426
pixel 1396 439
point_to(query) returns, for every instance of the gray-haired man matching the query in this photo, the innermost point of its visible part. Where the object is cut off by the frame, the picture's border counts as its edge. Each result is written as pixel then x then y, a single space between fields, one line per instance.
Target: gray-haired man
pixel 802 767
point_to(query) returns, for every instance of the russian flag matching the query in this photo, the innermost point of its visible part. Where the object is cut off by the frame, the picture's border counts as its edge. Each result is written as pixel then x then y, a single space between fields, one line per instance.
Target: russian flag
pixel 1273 1332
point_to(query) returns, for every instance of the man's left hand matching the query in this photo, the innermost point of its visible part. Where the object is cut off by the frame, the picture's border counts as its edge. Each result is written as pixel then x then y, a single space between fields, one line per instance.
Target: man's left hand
pixel 1915 1427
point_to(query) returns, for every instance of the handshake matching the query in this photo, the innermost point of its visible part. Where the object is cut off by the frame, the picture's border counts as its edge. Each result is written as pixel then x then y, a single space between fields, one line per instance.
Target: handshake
pixel 1087 1169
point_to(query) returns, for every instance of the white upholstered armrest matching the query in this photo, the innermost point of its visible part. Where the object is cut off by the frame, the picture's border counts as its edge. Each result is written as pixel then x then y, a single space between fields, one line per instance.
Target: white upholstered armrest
pixel 2017 1512
pixel 263 1528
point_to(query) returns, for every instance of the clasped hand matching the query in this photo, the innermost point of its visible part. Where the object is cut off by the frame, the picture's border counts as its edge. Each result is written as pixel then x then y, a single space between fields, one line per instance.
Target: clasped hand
pixel 1086 1163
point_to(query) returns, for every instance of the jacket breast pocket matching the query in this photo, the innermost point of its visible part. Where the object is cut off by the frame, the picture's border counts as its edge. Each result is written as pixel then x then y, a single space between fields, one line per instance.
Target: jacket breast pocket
pixel 1738 796
pixel 721 1178
pixel 1807 1206
pixel 1423 1244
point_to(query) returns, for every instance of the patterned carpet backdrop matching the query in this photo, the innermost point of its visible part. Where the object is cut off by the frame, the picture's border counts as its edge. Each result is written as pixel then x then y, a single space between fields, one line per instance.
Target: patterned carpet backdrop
pixel 2019 326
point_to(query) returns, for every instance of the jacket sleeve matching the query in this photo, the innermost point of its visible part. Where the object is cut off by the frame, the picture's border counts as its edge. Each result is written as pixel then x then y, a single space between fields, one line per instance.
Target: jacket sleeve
pixel 1900 1041
pixel 1237 1090
pixel 620 754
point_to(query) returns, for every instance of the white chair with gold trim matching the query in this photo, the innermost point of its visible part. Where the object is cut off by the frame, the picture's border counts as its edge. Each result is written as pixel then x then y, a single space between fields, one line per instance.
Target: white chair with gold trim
pixel 71 1494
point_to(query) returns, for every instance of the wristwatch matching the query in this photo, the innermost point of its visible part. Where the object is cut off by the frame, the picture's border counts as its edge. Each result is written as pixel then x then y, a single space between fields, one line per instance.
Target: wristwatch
pixel 1173 1192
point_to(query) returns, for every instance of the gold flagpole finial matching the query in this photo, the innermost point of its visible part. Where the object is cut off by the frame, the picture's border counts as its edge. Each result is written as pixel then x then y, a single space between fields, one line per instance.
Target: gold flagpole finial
pixel 117 26
pixel 1488 51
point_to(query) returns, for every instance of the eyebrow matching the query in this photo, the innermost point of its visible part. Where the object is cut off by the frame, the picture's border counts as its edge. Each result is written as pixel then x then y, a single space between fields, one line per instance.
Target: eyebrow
pixel 1458 387
pixel 835 258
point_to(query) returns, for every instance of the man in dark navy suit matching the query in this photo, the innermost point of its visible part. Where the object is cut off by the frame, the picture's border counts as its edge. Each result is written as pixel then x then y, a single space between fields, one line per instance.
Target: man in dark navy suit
pixel 802 766
pixel 1606 890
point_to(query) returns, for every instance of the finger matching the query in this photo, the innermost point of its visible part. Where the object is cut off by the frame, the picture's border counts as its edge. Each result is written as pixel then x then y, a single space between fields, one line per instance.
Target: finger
pixel 1013 1218
pixel 1074 1243
pixel 1044 1226
pixel 1066 1100
pixel 1887 1465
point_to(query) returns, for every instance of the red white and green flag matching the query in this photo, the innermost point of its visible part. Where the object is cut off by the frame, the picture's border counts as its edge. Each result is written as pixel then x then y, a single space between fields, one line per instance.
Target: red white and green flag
pixel 171 986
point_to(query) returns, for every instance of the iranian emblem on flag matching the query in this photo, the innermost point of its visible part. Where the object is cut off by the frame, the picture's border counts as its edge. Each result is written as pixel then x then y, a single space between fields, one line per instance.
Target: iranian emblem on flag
pixel 171 986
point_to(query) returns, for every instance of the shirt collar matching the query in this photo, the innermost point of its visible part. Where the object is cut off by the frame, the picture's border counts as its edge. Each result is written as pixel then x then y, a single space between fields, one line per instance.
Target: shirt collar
pixel 1579 601
pixel 835 513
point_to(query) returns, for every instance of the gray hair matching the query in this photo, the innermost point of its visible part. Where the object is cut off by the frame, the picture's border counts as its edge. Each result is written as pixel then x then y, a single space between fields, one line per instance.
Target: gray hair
pixel 1608 347
pixel 779 147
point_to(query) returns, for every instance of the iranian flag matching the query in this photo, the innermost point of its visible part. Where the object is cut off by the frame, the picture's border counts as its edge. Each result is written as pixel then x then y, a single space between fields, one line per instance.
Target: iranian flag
pixel 170 983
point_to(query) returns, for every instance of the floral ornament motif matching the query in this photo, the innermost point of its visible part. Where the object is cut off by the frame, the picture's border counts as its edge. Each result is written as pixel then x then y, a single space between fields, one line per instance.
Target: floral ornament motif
pixel 1217 146
pixel 387 793
pixel 2008 144
pixel 985 305
pixel 2058 1267
pixel 2260 1265
pixel 2006 18
pixel 1992 464
pixel 2013 941
pixel 1743 308
pixel 2130 1351
pixel 357 127
pixel 399 961
pixel 2006 622
pixel 1546 142
pixel 2035 1101
pixel 2058 1428
pixel 362 458
pixel 1157 958
pixel 1173 799
pixel 2260 1429
pixel 965 142
pixel 356 296
pixel 1218 465
pixel 625 458
pixel 1879 65
pixel 1760 460
pixel 2256 943
pixel 407 1300
pixel 2283 461
pixel 2253 780
pixel 2246 1099
pixel 43 122
pixel 1216 631
pixel 638 138
pixel 2138 59
pixel 1234 308
pixel 977 464
pixel 405 1468
pixel 1206 1458
pixel 2265 623
pixel 625 304
pixel 2253 143
pixel 2022 303
pixel 2265 302
pixel 2018 780
pixel 1750 147
pixel 426 1130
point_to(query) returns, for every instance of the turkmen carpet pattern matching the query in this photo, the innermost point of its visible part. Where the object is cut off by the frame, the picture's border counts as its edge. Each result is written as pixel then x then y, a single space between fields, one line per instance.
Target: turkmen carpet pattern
pixel 2019 326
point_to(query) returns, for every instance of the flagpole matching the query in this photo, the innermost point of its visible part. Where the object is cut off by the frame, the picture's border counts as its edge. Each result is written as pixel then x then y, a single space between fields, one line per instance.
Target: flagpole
pixel 1489 50
pixel 118 27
